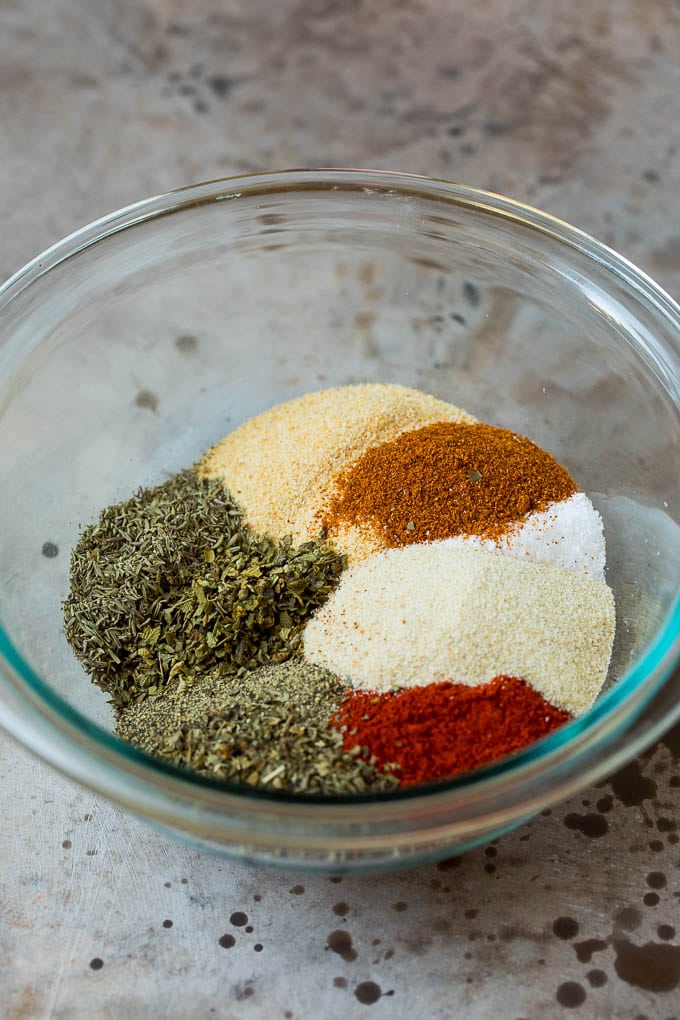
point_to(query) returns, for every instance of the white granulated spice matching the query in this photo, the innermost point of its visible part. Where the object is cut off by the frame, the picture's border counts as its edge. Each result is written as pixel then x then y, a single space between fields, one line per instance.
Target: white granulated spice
pixel 279 464
pixel 425 613
pixel 568 534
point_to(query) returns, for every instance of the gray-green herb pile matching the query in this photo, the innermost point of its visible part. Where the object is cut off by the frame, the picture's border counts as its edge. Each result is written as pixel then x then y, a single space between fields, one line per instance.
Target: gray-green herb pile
pixel 174 608
pixel 268 728
pixel 171 582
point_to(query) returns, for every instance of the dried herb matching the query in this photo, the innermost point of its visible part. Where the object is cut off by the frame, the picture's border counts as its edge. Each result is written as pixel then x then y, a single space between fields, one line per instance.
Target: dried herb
pixel 268 728
pixel 171 582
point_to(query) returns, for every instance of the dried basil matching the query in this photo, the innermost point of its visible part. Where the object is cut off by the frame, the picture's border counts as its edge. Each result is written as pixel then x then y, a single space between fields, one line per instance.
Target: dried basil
pixel 171 582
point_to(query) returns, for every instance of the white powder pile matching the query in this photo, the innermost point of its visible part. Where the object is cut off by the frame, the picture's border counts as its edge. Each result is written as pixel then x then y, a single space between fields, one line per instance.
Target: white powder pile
pixel 568 534
pixel 279 464
pixel 425 613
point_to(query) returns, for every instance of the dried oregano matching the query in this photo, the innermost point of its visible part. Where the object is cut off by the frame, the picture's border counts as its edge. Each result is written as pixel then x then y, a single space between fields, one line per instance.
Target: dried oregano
pixel 267 729
pixel 171 582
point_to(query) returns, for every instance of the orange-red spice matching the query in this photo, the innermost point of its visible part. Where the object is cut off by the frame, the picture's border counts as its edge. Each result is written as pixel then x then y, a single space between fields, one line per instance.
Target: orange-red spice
pixel 447 479
pixel 442 729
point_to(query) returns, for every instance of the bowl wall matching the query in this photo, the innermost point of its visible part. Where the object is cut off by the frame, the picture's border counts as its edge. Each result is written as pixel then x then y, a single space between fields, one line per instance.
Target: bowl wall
pixel 141 342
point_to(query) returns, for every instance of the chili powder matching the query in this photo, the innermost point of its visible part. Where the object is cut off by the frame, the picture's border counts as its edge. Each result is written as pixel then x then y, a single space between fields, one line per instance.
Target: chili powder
pixel 446 479
pixel 439 730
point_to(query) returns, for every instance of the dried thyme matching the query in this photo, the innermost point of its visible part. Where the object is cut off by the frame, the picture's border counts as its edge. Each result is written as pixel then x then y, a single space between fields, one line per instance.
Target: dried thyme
pixel 268 729
pixel 170 582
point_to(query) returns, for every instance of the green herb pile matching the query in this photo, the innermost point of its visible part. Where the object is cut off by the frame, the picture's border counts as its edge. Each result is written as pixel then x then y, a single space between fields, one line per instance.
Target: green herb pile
pixel 268 728
pixel 171 583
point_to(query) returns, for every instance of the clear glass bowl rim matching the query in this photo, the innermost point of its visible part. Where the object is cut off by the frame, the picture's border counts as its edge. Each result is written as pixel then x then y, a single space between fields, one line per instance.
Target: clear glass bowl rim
pixel 69 741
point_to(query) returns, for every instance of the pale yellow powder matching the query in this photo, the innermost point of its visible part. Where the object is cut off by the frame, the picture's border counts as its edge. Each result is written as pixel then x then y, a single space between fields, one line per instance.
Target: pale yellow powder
pixel 281 464
pixel 425 613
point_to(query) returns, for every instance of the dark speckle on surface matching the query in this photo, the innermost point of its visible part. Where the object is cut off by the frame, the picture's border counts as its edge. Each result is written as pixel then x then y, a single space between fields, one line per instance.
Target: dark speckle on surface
pixel 339 982
pixel 654 966
pixel 341 909
pixel 67 844
pixel 297 890
pixel 449 864
pixel 656 880
pixel 400 906
pixel 186 344
pixel 571 994
pixel 50 550
pixel 650 899
pixel 471 294
pixel 665 824
pixel 630 786
pixel 629 919
pixel 97 963
pixel 167 923
pixel 227 941
pixel 238 919
pixel 591 825
pixel 495 127
pixel 147 400
pixel 340 941
pixel 367 992
pixel 666 932
pixel 221 84
pixel 565 928
pixel 596 978
pixel 584 950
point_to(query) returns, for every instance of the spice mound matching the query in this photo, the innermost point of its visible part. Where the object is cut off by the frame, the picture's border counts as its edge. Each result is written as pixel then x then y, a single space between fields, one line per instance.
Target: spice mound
pixel 279 464
pixel 171 583
pixel 269 728
pixel 568 534
pixel 443 480
pixel 442 729
pixel 433 612
pixel 360 589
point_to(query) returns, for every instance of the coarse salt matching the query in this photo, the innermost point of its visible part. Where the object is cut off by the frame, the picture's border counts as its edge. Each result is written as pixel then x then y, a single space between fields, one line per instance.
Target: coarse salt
pixel 568 534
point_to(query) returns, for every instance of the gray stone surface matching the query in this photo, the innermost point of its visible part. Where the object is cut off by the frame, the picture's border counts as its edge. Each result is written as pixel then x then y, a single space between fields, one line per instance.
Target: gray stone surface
pixel 571 107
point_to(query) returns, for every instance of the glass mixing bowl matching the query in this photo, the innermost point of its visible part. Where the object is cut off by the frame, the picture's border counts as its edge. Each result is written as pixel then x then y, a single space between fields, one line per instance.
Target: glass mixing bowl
pixel 133 345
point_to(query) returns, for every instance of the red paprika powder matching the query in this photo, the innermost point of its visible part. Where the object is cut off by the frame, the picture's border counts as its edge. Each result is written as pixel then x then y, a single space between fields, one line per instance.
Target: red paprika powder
pixel 442 729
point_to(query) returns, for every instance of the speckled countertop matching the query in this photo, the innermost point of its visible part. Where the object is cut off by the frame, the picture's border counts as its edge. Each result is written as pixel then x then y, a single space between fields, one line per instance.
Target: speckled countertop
pixel 570 107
